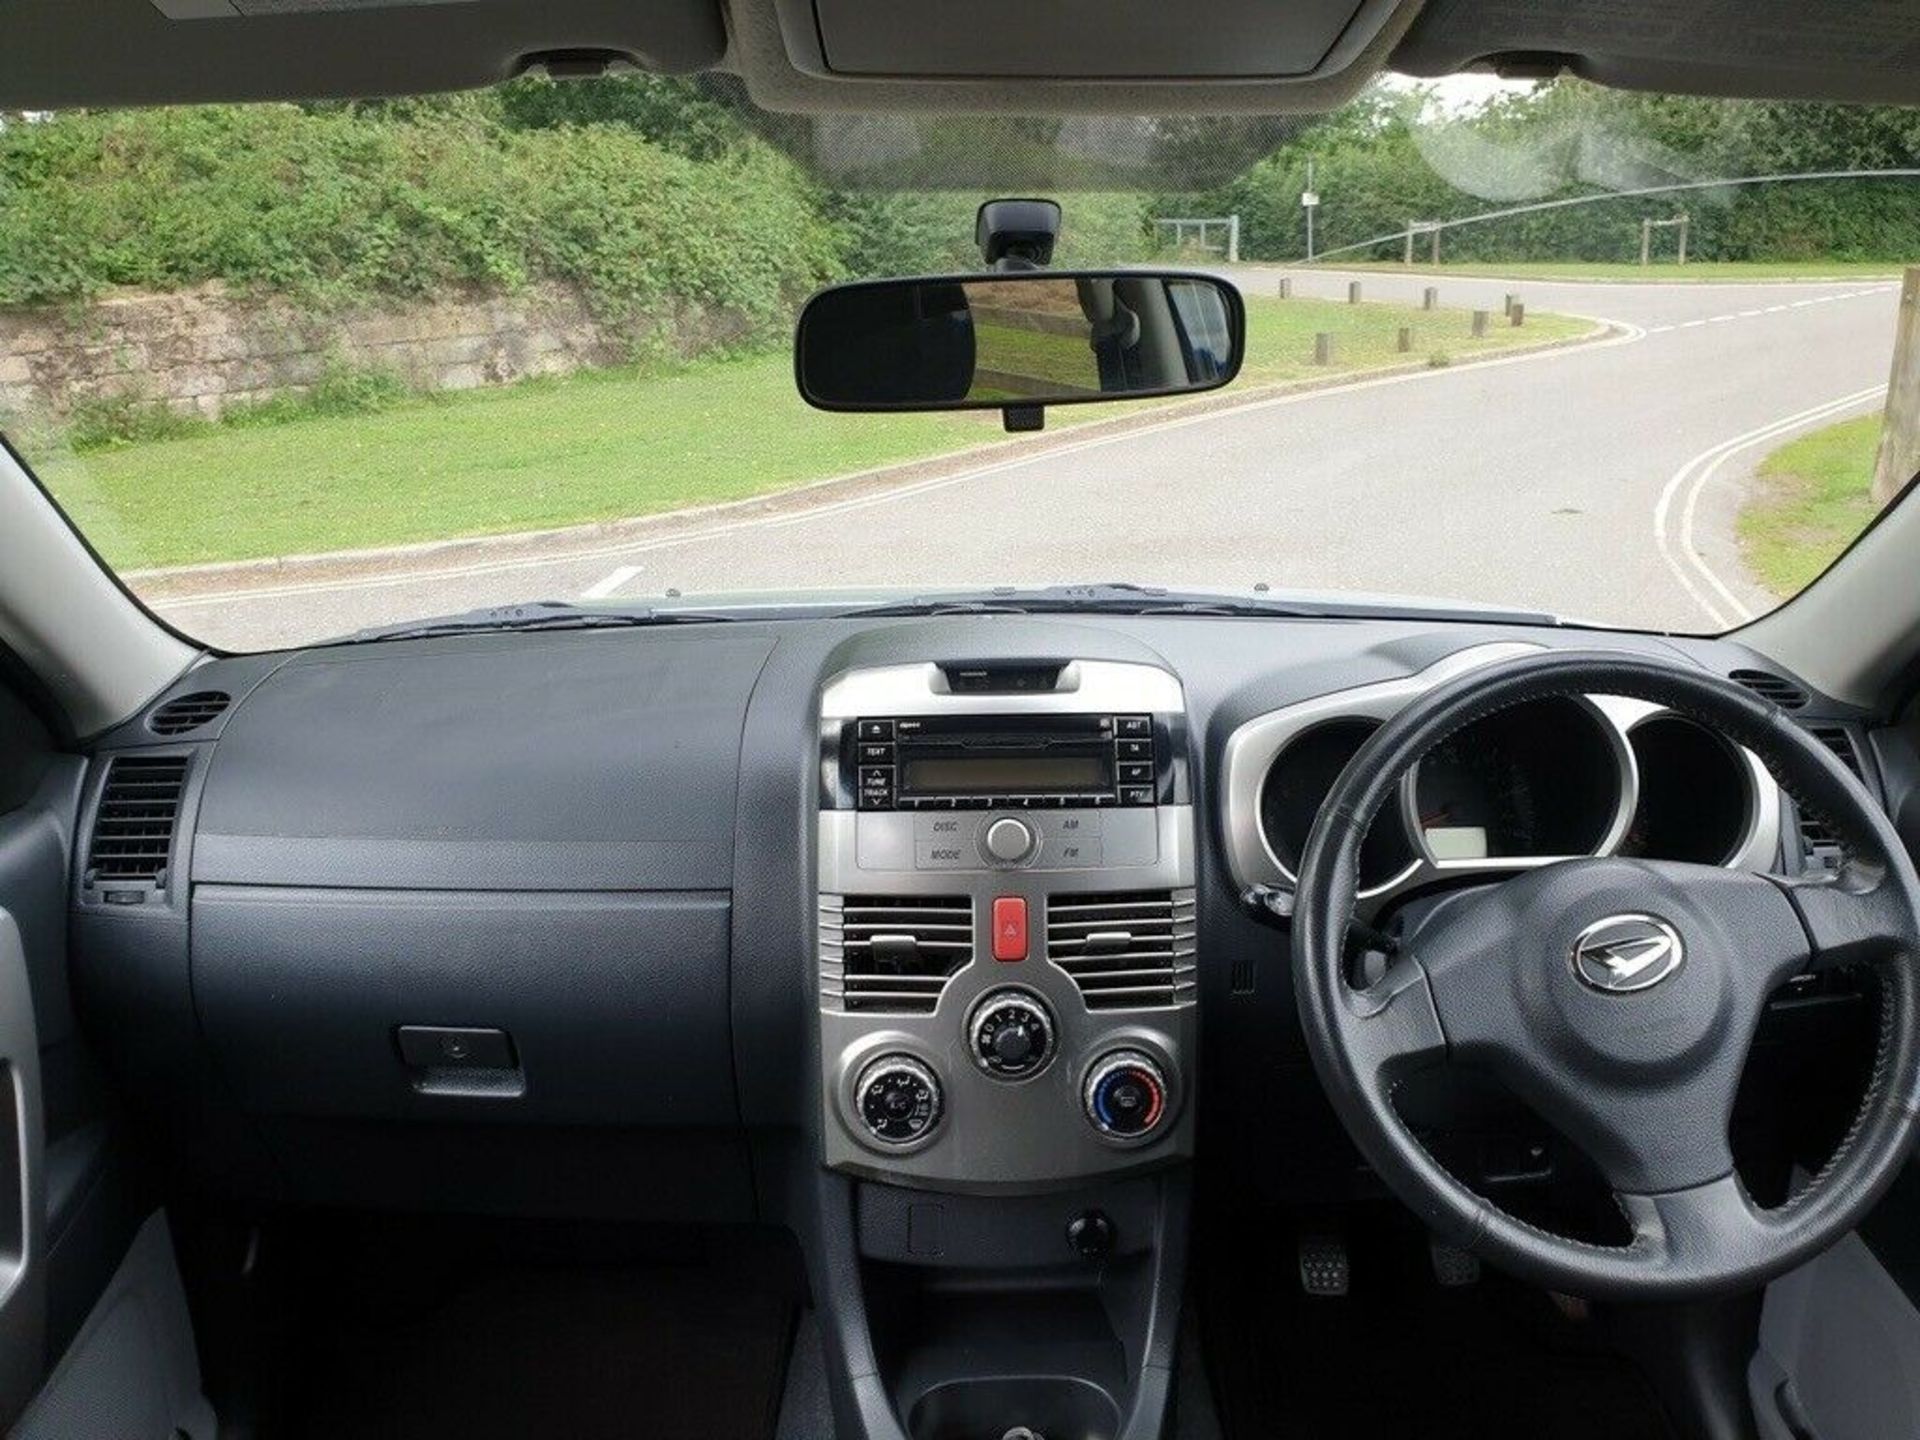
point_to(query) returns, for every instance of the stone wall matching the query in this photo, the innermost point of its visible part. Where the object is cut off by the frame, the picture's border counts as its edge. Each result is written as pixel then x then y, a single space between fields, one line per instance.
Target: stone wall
pixel 203 350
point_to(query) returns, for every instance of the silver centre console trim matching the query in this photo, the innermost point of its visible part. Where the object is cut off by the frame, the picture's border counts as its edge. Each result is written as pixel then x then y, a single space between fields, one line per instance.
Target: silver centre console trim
pixel 1085 686
pixel 1001 1133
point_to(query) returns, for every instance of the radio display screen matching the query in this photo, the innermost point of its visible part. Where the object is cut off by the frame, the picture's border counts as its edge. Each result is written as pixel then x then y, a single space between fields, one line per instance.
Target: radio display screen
pixel 1005 775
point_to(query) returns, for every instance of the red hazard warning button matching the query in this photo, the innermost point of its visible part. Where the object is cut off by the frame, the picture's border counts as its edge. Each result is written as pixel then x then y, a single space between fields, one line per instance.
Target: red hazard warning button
pixel 1009 928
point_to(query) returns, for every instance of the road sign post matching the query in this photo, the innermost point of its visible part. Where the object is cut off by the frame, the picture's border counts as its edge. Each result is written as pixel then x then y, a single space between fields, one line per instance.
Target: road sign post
pixel 1309 202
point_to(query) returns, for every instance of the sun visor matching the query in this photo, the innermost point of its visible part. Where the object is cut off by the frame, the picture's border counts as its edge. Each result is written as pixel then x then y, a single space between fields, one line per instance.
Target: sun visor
pixel 1090 40
pixel 57 53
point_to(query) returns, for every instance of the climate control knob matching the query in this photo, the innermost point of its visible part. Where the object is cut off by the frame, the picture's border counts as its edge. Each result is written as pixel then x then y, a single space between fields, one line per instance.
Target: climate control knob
pixel 1125 1095
pixel 1011 1035
pixel 898 1099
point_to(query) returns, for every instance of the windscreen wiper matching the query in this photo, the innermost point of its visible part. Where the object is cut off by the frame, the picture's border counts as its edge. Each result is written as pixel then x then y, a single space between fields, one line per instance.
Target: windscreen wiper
pixel 536 615
pixel 1126 598
pixel 1114 598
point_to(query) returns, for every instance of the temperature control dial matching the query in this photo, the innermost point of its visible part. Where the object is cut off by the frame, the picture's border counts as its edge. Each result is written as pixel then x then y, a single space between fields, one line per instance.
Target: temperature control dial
pixel 1011 1035
pixel 1125 1095
pixel 898 1099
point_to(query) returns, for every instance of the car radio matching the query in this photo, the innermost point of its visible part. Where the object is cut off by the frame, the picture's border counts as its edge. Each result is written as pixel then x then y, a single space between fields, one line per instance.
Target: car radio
pixel 1000 761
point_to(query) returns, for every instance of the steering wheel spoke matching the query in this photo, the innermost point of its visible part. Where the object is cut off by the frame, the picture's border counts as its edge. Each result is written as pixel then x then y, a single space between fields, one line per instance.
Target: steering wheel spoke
pixel 1696 1228
pixel 1855 918
pixel 1393 1027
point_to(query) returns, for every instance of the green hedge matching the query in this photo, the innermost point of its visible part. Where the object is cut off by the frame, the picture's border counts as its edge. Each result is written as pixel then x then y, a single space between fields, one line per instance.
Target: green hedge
pixel 332 205
pixel 653 197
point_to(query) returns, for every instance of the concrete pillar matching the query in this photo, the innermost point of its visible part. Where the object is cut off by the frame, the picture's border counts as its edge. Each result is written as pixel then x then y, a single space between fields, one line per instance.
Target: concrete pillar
pixel 1430 298
pixel 1353 292
pixel 1480 324
pixel 1405 345
pixel 1323 349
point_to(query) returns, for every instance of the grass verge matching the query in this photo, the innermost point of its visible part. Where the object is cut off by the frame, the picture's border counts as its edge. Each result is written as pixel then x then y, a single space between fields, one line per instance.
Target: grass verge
pixel 1725 271
pixel 1811 502
pixel 601 445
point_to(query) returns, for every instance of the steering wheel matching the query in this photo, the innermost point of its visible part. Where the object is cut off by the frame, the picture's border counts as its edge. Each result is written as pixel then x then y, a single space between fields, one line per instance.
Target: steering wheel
pixel 1617 997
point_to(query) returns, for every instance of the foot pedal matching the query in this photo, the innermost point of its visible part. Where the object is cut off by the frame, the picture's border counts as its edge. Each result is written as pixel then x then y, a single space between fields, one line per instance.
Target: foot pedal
pixel 1324 1269
pixel 1453 1266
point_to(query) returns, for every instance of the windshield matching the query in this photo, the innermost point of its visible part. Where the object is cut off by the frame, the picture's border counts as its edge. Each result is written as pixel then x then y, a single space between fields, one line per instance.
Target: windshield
pixel 300 370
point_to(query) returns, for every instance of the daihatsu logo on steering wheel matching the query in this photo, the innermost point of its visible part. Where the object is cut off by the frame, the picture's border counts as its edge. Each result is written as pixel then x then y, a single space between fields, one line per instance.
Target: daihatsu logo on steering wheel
pixel 1624 953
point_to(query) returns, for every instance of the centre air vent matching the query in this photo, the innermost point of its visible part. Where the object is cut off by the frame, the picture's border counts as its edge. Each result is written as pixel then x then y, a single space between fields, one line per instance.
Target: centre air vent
pixel 189 712
pixel 133 827
pixel 1129 951
pixel 891 954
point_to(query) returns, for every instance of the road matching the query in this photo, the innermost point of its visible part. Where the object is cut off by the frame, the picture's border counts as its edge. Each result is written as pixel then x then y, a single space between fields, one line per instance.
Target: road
pixel 1598 482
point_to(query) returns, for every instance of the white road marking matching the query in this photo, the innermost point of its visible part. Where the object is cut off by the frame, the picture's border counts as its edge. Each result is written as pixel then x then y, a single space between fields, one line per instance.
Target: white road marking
pixel 1768 310
pixel 607 584
pixel 1694 475
pixel 1629 334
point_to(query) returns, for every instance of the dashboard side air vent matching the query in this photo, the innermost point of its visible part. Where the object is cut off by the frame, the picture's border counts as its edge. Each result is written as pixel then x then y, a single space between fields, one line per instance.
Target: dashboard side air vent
pixel 133 826
pixel 1768 686
pixel 1818 841
pixel 189 712
pixel 1131 951
pixel 892 954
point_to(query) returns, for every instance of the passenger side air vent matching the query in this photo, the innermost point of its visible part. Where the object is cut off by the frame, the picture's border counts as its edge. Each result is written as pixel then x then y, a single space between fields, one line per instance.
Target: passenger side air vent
pixel 1130 951
pixel 891 954
pixel 189 712
pixel 1768 686
pixel 133 827
pixel 1819 843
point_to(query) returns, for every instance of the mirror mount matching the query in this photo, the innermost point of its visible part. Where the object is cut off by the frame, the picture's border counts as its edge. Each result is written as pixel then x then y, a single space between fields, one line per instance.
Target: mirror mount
pixel 1017 234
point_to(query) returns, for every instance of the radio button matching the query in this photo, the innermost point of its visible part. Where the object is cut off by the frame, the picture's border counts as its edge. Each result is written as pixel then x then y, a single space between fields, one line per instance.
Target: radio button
pixel 876 729
pixel 1134 749
pixel 1071 852
pixel 942 855
pixel 1008 840
pixel 1130 726
pixel 941 827
pixel 1136 794
pixel 876 754
pixel 1136 772
pixel 1072 824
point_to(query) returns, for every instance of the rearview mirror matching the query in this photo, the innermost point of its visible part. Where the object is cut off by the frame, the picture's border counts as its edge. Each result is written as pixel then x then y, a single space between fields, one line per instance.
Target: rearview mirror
pixel 1017 341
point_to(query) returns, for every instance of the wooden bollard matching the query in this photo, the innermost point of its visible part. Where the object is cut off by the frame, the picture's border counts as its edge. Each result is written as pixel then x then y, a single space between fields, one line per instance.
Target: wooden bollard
pixel 1406 339
pixel 1430 298
pixel 1480 324
pixel 1286 287
pixel 1512 300
pixel 1323 349
pixel 1518 314
pixel 1353 292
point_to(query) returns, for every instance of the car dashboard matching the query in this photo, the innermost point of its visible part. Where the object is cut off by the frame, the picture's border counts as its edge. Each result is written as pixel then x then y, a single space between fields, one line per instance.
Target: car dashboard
pixel 928 938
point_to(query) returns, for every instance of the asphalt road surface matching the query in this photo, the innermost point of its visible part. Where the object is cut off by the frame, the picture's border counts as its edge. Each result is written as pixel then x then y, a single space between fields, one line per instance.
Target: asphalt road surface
pixel 1597 482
